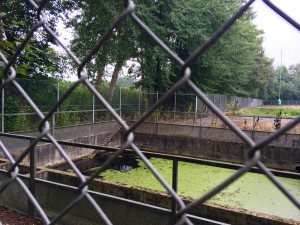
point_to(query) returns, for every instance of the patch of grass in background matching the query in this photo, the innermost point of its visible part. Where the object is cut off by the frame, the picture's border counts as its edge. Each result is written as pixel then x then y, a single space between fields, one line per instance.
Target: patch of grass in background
pixel 268 112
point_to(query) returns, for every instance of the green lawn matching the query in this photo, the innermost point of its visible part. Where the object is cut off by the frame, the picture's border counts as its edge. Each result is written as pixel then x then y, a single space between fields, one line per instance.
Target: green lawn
pixel 286 112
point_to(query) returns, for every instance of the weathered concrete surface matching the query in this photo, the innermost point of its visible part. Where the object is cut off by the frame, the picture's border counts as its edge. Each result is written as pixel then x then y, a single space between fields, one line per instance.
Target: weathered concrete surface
pixel 64 133
pixel 48 154
pixel 214 133
pixel 274 157
pixel 53 196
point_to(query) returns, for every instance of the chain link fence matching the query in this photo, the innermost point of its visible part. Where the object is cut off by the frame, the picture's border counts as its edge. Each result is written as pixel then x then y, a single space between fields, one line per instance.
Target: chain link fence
pixel 81 192
pixel 81 107
pixel 283 102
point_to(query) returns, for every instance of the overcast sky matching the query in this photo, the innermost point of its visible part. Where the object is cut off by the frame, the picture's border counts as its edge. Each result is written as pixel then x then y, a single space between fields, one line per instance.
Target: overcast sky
pixel 279 35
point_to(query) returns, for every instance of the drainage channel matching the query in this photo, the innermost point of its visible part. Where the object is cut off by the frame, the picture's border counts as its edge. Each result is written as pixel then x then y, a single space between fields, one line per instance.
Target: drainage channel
pixel 253 192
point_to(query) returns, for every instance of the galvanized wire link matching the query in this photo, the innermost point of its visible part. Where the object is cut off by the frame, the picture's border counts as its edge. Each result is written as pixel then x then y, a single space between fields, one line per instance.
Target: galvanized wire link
pixel 184 79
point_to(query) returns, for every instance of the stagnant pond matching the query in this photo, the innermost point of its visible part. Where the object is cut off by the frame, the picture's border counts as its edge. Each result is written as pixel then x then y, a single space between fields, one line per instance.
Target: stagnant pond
pixel 252 191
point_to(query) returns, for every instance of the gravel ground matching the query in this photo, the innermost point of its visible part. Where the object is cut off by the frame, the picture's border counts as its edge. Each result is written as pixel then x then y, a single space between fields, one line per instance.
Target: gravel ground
pixel 9 217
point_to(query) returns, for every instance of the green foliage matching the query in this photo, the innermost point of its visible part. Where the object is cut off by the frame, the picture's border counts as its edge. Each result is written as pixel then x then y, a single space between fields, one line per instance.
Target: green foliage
pixel 38 59
pixel 233 107
pixel 15 122
pixel 289 86
pixel 76 109
pixel 235 65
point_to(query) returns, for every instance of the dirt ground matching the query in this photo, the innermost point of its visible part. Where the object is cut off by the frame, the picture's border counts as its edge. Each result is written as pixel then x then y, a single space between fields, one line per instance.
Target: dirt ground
pixel 244 123
pixel 8 217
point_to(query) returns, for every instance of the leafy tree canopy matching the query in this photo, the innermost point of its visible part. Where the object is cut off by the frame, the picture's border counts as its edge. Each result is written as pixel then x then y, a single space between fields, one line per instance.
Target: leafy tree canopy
pixel 235 65
pixel 38 59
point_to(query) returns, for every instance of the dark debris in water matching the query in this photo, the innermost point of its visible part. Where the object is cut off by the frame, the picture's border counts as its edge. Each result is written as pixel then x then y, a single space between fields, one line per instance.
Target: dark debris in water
pixel 123 163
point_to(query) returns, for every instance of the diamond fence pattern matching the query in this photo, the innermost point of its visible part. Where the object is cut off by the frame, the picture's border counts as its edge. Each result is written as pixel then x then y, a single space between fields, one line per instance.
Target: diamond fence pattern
pixel 186 73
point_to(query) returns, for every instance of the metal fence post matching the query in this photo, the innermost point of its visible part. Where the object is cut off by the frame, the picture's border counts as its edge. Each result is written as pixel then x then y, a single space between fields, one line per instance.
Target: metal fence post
pixel 175 187
pixel 140 92
pixel 253 129
pixel 57 114
pixel 175 105
pixel 32 160
pixel 93 106
pixel 120 102
pixel 2 111
pixel 196 109
pixel 157 113
pixel 200 126
pixel 53 124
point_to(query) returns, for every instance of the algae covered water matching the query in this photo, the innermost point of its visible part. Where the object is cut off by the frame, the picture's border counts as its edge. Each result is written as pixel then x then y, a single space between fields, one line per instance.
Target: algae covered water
pixel 252 191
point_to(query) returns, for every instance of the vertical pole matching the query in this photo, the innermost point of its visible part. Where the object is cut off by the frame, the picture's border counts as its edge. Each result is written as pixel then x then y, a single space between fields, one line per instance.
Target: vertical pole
pixel 253 129
pixel 93 105
pixel 2 111
pixel 120 102
pixel 200 126
pixel 53 124
pixel 57 115
pixel 157 110
pixel 157 113
pixel 196 108
pixel 140 104
pixel 32 159
pixel 279 100
pixel 175 187
pixel 175 105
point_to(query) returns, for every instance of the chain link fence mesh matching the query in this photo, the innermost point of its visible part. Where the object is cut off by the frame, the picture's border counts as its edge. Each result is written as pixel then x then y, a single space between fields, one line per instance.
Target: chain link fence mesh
pixel 150 109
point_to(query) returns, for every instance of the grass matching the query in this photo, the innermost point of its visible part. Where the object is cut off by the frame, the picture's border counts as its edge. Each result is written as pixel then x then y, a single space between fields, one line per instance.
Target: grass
pixel 286 112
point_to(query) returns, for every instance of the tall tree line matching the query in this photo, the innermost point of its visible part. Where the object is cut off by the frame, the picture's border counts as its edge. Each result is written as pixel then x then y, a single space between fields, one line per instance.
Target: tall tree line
pixel 235 65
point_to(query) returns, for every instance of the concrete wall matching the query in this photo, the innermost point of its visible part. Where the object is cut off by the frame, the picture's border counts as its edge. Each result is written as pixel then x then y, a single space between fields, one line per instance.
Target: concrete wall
pixel 121 210
pixel 214 133
pixel 47 154
pixel 273 157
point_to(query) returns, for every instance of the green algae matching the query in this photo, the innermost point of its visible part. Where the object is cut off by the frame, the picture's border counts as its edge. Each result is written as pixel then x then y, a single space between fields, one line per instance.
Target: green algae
pixel 252 191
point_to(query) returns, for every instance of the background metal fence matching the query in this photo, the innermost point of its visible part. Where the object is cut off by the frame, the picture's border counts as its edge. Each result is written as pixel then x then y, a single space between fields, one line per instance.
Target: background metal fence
pixel 181 209
pixel 283 102
pixel 81 106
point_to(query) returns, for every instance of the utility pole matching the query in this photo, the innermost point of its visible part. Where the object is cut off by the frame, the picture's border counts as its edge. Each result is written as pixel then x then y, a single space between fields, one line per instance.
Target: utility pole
pixel 279 100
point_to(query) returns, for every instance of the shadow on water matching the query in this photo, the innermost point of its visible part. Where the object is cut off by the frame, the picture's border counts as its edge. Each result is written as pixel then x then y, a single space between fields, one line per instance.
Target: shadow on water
pixel 88 166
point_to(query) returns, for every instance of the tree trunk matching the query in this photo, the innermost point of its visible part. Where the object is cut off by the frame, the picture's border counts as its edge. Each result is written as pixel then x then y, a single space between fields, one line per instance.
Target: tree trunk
pixel 101 61
pixel 157 85
pixel 114 79
pixel 100 73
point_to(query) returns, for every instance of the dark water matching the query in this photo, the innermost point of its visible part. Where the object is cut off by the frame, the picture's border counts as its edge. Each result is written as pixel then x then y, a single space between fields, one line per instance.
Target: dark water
pixel 124 163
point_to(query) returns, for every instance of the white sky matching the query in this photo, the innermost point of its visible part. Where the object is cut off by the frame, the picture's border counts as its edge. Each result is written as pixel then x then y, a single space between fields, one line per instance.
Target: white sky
pixel 279 35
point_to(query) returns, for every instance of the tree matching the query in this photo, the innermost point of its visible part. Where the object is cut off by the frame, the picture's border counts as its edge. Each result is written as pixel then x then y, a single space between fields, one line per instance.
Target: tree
pixel 38 59
pixel 235 65
pixel 89 26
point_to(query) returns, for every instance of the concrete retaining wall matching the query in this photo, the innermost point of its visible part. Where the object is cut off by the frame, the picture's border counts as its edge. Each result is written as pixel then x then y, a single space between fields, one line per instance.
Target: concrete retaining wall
pixel 274 157
pixel 47 154
pixel 215 133
pixel 121 210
